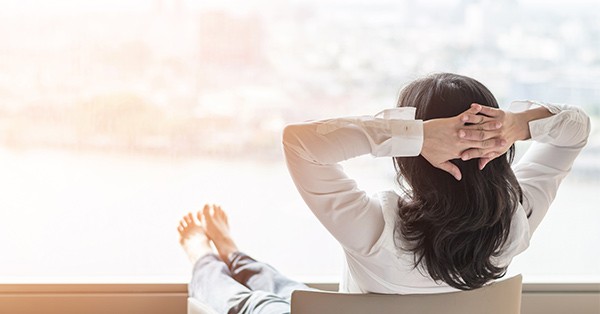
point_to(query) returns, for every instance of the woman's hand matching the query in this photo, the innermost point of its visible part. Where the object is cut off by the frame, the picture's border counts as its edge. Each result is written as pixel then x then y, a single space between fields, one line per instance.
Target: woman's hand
pixel 515 127
pixel 442 140
pixel 510 132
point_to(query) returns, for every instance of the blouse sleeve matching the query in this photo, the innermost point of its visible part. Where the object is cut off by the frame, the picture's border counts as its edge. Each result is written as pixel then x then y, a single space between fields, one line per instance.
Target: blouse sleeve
pixel 557 140
pixel 313 151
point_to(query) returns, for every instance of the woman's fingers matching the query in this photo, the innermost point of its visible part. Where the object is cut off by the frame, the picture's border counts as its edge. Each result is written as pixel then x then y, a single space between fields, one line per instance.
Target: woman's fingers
pixel 474 118
pixel 477 114
pixel 483 162
pixel 482 140
pixel 491 153
pixel 481 136
pixel 485 110
pixel 470 113
pixel 478 135
pixel 491 112
pixel 471 134
pixel 474 109
pixel 488 124
pixel 451 169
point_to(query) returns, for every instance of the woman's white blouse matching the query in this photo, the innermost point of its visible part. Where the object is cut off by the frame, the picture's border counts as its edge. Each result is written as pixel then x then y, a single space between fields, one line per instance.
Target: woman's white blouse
pixel 364 225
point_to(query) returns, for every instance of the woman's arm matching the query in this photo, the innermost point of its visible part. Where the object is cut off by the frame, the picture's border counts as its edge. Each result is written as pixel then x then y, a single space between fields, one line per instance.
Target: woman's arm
pixel 558 140
pixel 313 151
pixel 559 133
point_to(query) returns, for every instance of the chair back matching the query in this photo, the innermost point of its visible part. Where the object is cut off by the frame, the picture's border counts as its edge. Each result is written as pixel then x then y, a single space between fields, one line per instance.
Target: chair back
pixel 501 297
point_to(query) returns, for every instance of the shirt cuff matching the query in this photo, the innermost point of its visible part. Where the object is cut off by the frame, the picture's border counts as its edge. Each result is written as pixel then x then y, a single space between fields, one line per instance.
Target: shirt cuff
pixel 391 133
pixel 407 138
pixel 406 133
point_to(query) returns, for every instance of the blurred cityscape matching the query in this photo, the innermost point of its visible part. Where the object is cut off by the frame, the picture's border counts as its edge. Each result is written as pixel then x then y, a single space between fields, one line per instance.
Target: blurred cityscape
pixel 223 79
pixel 117 116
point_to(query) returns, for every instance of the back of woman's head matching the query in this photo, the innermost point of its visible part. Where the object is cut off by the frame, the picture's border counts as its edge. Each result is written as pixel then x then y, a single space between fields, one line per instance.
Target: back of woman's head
pixel 454 228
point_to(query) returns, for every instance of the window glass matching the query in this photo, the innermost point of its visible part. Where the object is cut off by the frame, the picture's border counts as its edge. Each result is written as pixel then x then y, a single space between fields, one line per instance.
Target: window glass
pixel 118 117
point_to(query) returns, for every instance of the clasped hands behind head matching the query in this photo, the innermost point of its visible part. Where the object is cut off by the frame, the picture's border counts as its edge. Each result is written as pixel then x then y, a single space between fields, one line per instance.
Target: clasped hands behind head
pixel 479 132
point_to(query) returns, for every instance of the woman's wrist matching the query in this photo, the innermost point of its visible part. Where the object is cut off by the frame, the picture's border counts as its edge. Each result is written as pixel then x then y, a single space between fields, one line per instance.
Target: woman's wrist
pixel 527 116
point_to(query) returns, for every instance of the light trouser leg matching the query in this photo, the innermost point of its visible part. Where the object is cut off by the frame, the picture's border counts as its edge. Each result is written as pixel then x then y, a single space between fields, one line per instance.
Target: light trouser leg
pixel 213 285
pixel 260 276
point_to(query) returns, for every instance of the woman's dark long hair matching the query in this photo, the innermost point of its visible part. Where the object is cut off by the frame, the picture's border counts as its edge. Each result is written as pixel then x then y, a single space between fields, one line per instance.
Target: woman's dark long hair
pixel 454 228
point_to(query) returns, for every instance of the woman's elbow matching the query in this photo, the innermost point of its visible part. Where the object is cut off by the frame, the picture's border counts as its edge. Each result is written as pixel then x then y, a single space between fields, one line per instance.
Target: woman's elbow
pixel 293 133
pixel 586 129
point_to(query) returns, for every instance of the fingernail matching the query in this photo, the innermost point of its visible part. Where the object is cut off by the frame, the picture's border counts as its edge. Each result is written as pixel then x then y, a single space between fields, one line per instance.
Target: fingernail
pixel 461 133
pixel 498 125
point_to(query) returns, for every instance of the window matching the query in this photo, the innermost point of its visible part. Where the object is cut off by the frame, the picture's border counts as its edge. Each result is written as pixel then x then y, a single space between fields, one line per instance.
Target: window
pixel 118 118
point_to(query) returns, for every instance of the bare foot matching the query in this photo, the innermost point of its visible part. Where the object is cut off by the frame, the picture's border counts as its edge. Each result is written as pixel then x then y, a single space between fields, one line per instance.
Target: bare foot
pixel 193 238
pixel 217 229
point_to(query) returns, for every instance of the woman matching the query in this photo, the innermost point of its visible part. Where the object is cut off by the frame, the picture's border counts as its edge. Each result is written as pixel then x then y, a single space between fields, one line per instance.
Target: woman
pixel 463 215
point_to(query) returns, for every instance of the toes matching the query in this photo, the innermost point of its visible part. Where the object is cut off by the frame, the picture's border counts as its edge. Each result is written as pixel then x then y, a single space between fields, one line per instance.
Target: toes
pixel 206 211
pixel 212 213
pixel 218 211
pixel 221 213
pixel 189 219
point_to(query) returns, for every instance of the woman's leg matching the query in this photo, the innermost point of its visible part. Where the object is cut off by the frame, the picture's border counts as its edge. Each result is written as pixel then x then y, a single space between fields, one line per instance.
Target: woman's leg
pixel 261 276
pixel 247 271
pixel 212 283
